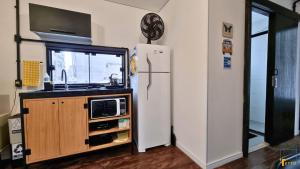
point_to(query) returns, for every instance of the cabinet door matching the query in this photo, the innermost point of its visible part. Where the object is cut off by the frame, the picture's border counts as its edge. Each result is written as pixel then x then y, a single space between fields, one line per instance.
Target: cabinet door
pixel 41 129
pixel 73 122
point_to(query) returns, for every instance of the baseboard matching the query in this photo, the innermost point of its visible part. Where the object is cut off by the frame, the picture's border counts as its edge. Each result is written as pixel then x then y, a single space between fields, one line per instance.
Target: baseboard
pixel 191 155
pixel 224 160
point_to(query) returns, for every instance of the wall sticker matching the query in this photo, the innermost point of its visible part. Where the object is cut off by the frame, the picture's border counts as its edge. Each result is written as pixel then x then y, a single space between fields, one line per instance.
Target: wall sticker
pixel 227 30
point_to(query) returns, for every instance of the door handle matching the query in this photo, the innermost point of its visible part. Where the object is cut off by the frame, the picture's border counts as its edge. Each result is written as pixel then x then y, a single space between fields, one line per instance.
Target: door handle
pixel 274 81
pixel 149 76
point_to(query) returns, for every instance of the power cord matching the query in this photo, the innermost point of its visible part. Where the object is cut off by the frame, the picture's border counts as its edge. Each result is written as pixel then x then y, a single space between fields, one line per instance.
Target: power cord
pixel 14 103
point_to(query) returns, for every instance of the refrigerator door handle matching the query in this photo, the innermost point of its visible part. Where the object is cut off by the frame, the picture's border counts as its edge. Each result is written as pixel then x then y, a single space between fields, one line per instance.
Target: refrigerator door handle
pixel 149 76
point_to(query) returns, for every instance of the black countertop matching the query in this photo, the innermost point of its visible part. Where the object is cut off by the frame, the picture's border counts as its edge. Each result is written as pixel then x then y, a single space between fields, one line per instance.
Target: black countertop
pixel 72 93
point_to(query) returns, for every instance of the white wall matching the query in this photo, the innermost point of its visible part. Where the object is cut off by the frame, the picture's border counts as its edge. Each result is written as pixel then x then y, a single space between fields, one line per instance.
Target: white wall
pixel 186 34
pixel 112 25
pixel 225 87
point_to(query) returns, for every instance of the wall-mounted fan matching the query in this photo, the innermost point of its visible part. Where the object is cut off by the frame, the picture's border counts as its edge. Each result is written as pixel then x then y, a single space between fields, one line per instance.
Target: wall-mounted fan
pixel 152 27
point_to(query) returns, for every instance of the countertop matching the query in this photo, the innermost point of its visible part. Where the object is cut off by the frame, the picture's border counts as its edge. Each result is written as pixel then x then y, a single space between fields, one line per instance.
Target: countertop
pixel 72 93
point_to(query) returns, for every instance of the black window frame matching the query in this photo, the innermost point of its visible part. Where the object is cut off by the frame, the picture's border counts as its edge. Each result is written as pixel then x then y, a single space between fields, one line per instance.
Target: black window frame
pixel 256 10
pixel 88 49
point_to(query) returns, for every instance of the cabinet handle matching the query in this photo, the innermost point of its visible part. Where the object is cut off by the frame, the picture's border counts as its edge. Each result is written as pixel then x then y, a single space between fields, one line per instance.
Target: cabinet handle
pixel 62 102
pixel 53 102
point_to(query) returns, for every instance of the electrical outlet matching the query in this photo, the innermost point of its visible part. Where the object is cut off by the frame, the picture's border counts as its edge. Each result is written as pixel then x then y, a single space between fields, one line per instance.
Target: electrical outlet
pixel 18 83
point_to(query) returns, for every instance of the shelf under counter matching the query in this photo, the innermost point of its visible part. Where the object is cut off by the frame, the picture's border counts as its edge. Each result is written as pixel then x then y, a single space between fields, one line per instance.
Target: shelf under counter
pixel 110 119
pixel 113 130
pixel 92 148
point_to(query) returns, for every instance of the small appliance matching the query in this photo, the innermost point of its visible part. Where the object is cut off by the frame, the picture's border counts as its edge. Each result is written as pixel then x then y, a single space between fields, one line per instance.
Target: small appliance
pixel 106 125
pixel 102 139
pixel 107 107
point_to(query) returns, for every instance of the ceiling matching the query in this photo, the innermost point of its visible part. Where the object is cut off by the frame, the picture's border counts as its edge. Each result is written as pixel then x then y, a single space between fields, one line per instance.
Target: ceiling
pixel 151 5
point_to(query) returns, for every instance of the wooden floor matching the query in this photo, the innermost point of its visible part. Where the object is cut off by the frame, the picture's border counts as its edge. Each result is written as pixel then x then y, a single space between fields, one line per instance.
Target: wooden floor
pixel 263 158
pixel 161 158
pixel 121 158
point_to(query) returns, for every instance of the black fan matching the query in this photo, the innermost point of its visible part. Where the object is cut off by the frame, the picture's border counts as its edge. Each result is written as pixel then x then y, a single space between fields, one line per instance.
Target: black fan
pixel 152 27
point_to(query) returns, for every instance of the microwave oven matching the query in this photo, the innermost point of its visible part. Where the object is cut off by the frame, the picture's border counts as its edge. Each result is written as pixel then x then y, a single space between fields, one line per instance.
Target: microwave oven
pixel 107 107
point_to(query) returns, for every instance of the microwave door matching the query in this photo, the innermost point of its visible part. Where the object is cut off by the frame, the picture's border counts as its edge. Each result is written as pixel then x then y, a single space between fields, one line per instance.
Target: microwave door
pixel 103 108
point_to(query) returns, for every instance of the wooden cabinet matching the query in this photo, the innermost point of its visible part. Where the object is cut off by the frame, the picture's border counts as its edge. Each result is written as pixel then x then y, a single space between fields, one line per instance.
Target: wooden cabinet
pixel 55 127
pixel 42 129
pixel 73 125
pixel 59 127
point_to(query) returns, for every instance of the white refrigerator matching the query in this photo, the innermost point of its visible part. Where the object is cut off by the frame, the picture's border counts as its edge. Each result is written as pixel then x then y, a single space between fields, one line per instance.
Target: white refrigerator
pixel 150 80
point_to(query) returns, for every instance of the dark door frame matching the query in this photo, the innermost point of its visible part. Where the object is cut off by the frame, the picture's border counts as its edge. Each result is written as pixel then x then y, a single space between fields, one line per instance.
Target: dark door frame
pixel 269 7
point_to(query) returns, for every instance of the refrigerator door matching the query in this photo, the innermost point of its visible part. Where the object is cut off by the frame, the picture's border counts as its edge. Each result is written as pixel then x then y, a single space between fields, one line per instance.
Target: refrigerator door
pixel 158 56
pixel 154 111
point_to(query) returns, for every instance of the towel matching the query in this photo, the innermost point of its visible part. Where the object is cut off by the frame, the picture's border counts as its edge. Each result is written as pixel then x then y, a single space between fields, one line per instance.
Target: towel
pixel 31 73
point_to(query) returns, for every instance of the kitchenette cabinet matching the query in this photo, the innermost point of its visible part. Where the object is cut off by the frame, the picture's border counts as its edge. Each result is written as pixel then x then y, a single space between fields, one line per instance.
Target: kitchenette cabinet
pixel 41 129
pixel 57 124
pixel 73 126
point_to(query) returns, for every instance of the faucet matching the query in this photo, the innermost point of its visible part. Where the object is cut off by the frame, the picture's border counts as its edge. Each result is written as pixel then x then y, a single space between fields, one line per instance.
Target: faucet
pixel 64 73
pixel 113 81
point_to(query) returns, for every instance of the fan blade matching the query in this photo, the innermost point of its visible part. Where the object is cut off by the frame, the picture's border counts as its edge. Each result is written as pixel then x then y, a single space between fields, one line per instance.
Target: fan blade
pixel 153 17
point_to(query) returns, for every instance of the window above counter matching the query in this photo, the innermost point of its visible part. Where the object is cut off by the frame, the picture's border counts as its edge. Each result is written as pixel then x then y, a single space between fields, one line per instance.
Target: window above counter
pixel 89 66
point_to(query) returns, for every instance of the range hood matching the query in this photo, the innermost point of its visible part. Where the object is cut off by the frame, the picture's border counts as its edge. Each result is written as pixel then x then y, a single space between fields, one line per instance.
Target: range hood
pixel 60 25
pixel 151 5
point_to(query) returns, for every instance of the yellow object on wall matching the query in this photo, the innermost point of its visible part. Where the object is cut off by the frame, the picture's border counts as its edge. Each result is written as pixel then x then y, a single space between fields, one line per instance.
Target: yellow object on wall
pixel 31 73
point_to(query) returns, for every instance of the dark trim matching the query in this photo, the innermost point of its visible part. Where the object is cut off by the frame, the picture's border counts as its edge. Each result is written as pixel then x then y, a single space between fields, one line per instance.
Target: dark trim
pixel 132 124
pixel 269 6
pixel 270 73
pixel 28 152
pixel 128 69
pixel 84 48
pixel 89 60
pixel 259 34
pixel 87 49
pixel 247 70
pixel 25 111
pixel 256 132
pixel 86 106
pixel 72 93
pixel 18 81
pixel 295 5
pixel 260 11
pixel 173 136
pixel 23 161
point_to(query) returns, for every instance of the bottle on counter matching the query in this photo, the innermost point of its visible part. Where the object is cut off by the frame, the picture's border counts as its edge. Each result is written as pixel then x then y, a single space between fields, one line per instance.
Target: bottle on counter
pixel 47 83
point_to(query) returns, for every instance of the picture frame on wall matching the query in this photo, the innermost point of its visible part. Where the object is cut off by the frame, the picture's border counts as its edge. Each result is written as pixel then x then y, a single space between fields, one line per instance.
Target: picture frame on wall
pixel 227 30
